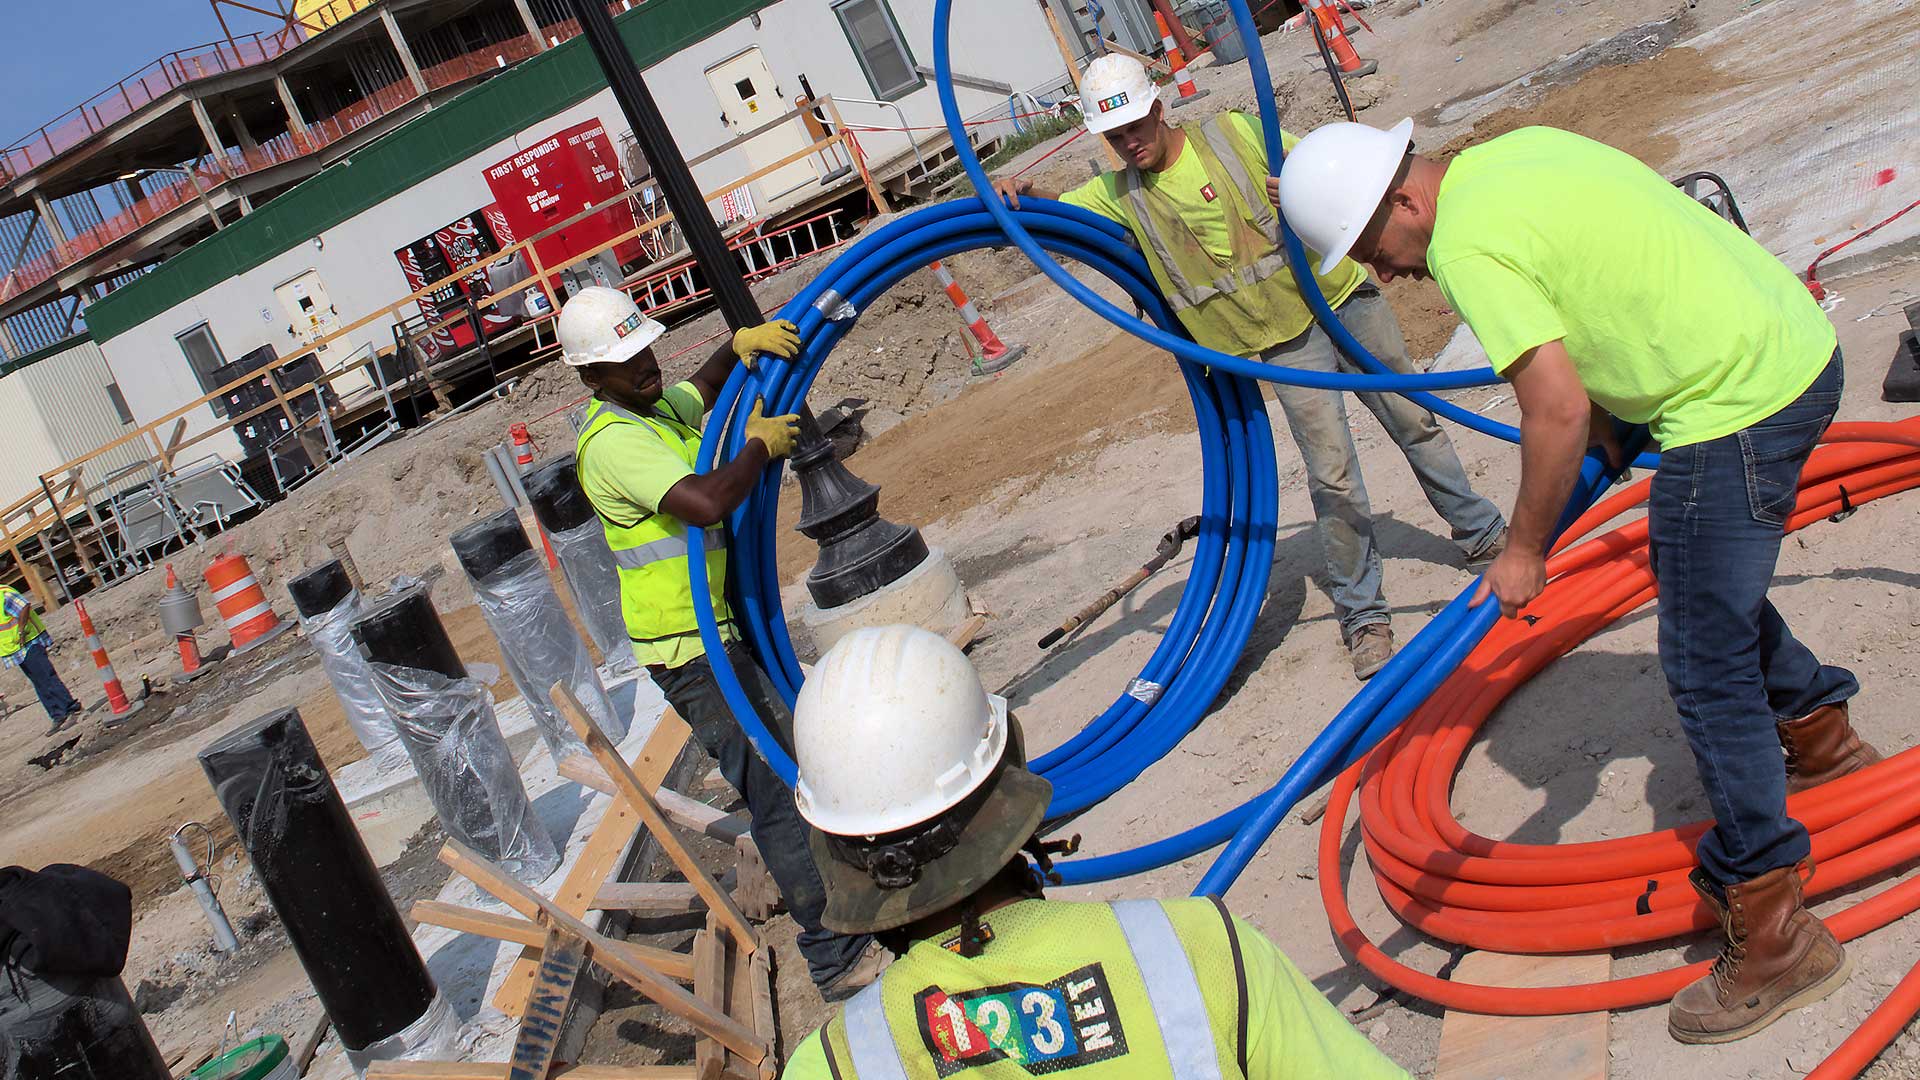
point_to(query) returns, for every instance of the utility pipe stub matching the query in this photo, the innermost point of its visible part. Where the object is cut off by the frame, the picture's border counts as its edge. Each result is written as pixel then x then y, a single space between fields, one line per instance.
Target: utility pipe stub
pixel 320 589
pixel 489 544
pixel 404 630
pixel 553 489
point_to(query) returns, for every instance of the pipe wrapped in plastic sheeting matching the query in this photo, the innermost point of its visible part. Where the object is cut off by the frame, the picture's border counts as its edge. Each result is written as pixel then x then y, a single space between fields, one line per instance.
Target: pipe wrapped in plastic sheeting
pixel 331 632
pixel 539 647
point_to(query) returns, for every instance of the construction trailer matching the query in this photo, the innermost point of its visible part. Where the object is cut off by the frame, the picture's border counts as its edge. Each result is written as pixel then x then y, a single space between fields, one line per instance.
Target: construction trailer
pixel 786 111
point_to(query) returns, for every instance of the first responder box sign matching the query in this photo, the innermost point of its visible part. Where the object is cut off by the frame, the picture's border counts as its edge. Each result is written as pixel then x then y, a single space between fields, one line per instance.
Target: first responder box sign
pixel 1063 1024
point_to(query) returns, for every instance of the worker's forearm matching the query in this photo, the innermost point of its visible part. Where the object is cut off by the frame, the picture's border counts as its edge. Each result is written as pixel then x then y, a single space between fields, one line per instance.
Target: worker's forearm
pixel 1551 449
pixel 1039 192
pixel 710 497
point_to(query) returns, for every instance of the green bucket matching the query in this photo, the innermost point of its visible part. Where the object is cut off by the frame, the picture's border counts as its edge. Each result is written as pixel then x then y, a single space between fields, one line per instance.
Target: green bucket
pixel 264 1058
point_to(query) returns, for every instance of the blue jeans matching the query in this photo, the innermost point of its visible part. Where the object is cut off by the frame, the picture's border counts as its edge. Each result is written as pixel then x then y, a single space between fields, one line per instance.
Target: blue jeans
pixel 1716 516
pixel 778 829
pixel 1318 420
pixel 53 694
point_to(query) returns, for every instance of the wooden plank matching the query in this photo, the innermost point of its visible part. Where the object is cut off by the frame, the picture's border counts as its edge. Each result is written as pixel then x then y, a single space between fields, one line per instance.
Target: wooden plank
pixel 310 1044
pixel 648 897
pixel 561 959
pixel 603 850
pixel 639 795
pixel 750 1000
pixel 1477 1047
pixel 683 810
pixel 962 636
pixel 710 986
pixel 498 1070
pixel 490 924
pixel 648 981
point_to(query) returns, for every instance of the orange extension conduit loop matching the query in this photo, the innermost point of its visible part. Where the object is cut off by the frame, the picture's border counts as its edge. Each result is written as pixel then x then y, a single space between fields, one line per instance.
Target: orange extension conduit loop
pixel 1459 887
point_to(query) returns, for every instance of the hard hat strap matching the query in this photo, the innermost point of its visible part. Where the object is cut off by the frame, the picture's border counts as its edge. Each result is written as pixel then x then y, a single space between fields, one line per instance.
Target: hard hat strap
pixel 894 860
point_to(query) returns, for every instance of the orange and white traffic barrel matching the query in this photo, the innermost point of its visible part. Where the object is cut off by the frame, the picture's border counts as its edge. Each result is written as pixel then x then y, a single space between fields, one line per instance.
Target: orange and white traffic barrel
pixel 242 603
pixel 1344 54
pixel 116 694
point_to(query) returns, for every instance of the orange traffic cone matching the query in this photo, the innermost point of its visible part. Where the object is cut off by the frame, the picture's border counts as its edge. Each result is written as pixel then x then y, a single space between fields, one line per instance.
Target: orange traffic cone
pixel 116 694
pixel 1182 80
pixel 1351 66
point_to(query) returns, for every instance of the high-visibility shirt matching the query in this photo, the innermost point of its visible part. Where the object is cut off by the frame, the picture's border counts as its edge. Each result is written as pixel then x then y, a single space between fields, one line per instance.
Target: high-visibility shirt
pixel 1142 989
pixel 20 624
pixel 1673 317
pixel 626 464
pixel 1212 239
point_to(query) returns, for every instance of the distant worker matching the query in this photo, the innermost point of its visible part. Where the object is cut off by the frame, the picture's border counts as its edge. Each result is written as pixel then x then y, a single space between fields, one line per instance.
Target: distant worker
pixel 636 460
pixel 24 641
pixel 1191 196
pixel 1600 290
pixel 916 781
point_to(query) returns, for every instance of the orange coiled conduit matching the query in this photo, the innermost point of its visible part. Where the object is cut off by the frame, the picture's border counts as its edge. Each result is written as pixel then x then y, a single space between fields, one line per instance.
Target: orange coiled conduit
pixel 1456 886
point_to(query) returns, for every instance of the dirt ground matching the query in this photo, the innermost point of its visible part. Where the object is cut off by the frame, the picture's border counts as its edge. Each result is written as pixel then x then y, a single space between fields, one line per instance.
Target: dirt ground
pixel 1048 482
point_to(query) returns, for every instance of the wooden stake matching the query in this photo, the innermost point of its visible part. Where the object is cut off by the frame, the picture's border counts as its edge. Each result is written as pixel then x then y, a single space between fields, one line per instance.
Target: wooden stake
pixel 636 795
pixel 534 1045
pixel 1073 69
pixel 649 981
pixel 490 924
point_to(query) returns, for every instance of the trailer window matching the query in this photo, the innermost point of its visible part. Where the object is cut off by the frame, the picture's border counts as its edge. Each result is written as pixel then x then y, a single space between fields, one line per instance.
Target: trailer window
pixel 875 36
pixel 204 356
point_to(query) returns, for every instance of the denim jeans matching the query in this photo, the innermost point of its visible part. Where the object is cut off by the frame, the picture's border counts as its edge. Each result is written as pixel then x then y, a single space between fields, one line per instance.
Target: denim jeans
pixel 1318 420
pixel 778 829
pixel 1716 515
pixel 53 694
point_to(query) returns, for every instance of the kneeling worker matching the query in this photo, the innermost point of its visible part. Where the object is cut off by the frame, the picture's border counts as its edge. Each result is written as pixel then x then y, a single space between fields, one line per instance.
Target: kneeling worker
pixel 916 781
pixel 635 458
pixel 1599 288
pixel 1192 198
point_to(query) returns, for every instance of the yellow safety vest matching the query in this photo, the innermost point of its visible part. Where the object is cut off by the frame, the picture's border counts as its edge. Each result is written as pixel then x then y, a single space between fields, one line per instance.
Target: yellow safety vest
pixel 1249 304
pixel 651 553
pixel 15 634
pixel 1138 989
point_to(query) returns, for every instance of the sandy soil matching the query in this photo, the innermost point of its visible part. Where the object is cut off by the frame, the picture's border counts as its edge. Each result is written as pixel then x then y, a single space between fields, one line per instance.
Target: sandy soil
pixel 1052 480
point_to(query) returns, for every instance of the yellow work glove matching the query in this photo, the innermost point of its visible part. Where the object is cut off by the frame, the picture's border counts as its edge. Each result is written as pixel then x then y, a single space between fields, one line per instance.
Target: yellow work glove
pixel 776 433
pixel 779 337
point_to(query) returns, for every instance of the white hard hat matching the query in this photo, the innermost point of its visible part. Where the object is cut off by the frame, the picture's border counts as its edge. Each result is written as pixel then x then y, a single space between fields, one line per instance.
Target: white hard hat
pixel 604 326
pixel 1115 91
pixel 1333 181
pixel 892 729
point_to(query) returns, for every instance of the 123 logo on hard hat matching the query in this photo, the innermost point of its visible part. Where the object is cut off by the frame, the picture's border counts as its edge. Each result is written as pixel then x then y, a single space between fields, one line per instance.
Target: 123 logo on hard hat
pixel 1114 102
pixel 631 324
pixel 1063 1024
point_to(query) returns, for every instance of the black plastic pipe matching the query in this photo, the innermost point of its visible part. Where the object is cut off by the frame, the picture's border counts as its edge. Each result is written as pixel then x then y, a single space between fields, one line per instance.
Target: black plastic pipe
pixel 317 873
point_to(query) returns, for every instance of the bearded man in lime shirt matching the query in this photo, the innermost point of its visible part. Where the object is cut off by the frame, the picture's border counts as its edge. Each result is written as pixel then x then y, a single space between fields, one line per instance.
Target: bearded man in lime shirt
pixel 1599 290
pixel 1191 197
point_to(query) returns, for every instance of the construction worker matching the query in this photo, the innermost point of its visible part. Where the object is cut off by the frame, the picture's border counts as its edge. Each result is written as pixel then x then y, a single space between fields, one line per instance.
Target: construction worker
pixel 1192 199
pixel 636 458
pixel 1599 290
pixel 916 783
pixel 24 641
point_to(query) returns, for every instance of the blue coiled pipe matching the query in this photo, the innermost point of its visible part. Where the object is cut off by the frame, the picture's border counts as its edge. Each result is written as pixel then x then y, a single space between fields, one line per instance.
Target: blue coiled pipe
pixel 1232 560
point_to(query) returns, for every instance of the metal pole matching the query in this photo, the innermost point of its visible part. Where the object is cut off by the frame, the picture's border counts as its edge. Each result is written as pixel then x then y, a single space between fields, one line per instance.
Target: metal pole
pixel 64 527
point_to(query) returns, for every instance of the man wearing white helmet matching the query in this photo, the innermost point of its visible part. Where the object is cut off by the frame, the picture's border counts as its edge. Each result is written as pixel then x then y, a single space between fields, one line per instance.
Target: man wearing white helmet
pixel 1192 199
pixel 635 459
pixel 916 782
pixel 1599 290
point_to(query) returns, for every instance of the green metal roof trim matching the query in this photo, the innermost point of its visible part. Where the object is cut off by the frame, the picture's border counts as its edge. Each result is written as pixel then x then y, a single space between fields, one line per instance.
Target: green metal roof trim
pixel 518 98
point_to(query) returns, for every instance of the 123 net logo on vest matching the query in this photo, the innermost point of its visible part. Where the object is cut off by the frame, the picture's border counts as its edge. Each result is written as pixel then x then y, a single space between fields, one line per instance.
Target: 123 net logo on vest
pixel 1207 192
pixel 1063 1024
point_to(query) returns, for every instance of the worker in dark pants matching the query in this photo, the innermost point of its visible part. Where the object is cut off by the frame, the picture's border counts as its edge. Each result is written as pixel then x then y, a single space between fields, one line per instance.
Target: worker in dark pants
pixel 23 644
pixel 636 458
pixel 1599 290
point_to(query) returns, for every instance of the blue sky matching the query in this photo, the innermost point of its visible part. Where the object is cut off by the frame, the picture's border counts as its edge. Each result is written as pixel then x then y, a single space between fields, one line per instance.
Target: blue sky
pixel 61 52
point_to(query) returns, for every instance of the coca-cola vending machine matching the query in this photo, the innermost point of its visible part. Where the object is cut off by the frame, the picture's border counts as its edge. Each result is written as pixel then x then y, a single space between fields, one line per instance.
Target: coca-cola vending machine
pixel 553 180
pixel 466 242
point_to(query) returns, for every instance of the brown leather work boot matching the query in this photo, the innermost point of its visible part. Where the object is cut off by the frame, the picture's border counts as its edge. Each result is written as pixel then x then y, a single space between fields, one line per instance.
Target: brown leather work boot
pixel 1778 956
pixel 1822 746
